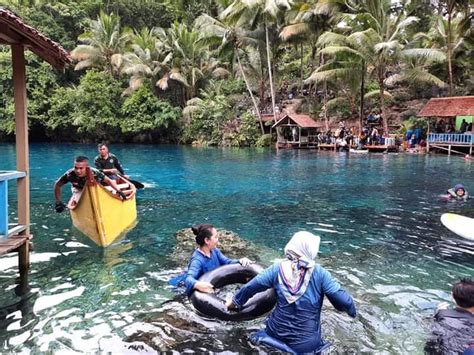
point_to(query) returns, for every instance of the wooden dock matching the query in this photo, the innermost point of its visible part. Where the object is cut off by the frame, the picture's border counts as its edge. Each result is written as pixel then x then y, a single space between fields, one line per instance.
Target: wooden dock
pixel 19 243
pixel 14 237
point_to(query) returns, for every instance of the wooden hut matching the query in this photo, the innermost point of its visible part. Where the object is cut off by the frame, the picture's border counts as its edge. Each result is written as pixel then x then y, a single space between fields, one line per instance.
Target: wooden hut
pixel 19 36
pixel 449 108
pixel 296 131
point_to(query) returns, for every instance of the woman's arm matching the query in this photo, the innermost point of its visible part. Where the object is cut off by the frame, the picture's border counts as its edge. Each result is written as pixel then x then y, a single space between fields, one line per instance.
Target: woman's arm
pixel 193 273
pixel 338 297
pixel 224 260
pixel 259 283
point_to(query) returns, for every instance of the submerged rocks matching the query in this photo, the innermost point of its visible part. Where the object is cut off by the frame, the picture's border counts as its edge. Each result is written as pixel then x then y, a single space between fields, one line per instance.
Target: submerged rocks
pixel 230 243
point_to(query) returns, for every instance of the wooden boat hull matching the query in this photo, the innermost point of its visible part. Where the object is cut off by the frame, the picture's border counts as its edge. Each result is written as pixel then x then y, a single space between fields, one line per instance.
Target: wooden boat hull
pixel 101 215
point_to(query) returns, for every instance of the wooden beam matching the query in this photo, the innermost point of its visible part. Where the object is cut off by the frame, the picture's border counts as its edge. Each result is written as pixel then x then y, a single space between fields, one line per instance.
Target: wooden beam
pixel 7 34
pixel 21 124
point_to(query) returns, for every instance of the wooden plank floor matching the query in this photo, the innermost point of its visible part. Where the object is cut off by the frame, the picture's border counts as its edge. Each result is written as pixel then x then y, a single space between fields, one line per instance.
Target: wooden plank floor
pixel 13 243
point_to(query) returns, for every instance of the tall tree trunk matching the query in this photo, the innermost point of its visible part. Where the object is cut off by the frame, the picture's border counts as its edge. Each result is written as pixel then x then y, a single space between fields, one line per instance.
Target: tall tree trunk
pixel 450 55
pixel 362 90
pixel 250 92
pixel 302 70
pixel 325 98
pixel 382 105
pixel 272 92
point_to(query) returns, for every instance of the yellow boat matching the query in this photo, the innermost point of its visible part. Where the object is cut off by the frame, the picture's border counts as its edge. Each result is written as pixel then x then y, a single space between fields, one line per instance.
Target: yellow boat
pixel 98 212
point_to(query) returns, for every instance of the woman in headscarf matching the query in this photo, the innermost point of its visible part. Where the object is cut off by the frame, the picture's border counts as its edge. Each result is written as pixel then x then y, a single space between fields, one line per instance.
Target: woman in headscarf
pixel 300 286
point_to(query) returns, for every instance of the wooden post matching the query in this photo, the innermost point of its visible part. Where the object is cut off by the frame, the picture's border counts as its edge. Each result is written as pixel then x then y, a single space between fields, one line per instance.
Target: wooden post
pixel 22 151
pixel 427 137
pixel 449 149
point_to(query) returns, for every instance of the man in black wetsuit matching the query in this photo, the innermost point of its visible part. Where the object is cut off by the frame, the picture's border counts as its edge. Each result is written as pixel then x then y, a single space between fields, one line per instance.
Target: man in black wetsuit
pixel 453 330
pixel 77 177
pixel 108 163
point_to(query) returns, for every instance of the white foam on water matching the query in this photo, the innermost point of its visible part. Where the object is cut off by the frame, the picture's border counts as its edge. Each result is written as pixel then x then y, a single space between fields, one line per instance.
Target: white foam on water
pixel 327 230
pixel 76 245
pixel 49 301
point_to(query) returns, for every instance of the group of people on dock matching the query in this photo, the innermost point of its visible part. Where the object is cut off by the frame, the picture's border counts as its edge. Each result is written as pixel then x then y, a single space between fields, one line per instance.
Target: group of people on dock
pixel 448 127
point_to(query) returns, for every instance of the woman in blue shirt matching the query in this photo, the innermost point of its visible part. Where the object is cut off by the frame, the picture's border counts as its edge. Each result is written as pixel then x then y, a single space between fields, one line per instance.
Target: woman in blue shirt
pixel 205 258
pixel 300 286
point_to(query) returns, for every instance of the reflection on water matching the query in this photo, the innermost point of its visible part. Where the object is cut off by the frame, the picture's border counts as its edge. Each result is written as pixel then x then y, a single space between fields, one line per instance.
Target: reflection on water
pixel 377 215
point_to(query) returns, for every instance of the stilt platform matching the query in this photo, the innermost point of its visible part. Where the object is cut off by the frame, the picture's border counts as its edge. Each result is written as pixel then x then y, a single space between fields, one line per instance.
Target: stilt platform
pixel 18 243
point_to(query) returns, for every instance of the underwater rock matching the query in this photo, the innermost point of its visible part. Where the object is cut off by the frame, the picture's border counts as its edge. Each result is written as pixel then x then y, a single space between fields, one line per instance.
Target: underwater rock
pixel 230 243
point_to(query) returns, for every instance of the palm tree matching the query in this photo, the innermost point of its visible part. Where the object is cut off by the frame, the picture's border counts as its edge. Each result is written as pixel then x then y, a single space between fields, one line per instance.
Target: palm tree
pixel 378 27
pixel 253 13
pixel 415 64
pixel 148 59
pixel 306 24
pixel 449 37
pixel 451 7
pixel 233 37
pixel 191 61
pixel 104 44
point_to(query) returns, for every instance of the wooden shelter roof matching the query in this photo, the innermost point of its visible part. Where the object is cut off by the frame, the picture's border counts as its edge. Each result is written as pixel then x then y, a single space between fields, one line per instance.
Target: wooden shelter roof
pixel 14 31
pixel 449 107
pixel 304 121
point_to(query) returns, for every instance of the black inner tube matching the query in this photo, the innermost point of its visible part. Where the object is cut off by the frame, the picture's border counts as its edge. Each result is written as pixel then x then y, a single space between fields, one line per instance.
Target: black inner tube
pixel 211 305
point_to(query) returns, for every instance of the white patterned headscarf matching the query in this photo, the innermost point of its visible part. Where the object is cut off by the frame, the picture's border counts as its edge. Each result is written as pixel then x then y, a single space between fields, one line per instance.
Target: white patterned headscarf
pixel 295 272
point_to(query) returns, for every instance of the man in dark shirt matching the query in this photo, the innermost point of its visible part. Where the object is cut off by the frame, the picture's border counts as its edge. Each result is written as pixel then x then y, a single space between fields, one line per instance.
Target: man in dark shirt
pixel 108 163
pixel 453 329
pixel 78 178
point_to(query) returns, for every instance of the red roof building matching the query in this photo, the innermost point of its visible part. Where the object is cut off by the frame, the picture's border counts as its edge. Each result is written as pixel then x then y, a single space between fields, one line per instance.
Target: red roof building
pixel 448 107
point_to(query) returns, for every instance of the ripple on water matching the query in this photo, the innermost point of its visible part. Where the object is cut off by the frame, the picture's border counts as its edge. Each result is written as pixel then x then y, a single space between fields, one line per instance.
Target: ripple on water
pixel 380 237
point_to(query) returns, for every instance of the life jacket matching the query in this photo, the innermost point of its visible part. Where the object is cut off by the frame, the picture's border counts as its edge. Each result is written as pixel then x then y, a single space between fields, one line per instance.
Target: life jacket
pixel 453 194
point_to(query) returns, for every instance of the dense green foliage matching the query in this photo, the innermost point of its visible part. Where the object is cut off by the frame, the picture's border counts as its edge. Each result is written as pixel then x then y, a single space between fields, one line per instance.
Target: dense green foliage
pixel 143 112
pixel 198 71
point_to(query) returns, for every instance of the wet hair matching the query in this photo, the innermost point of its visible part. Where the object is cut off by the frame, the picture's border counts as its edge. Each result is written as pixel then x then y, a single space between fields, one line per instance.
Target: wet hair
pixel 202 231
pixel 100 145
pixel 463 293
pixel 81 159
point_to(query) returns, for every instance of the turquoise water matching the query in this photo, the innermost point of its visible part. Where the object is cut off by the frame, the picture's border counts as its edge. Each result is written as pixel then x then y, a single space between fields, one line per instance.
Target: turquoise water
pixel 377 215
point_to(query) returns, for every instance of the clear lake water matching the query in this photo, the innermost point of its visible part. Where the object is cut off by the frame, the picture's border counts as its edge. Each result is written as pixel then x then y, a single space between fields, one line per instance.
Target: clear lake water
pixel 378 216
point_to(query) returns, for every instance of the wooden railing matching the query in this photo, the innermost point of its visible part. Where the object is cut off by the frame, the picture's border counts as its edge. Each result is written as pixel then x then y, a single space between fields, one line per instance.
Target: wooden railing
pixel 451 138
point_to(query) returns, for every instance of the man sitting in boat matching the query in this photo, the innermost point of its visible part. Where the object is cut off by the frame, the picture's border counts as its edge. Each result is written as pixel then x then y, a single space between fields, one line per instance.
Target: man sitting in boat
pixel 108 163
pixel 458 192
pixel 453 329
pixel 77 177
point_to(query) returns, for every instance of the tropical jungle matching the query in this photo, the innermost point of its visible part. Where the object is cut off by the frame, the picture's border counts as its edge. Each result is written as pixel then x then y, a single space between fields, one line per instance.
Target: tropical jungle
pixel 207 71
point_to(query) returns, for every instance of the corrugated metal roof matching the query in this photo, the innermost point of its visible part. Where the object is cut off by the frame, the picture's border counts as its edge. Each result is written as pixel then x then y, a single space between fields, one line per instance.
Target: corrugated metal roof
pixel 448 107
pixel 301 120
pixel 14 31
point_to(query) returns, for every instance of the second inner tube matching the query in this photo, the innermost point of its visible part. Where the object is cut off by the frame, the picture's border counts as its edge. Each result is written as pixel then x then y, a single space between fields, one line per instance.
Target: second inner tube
pixel 211 305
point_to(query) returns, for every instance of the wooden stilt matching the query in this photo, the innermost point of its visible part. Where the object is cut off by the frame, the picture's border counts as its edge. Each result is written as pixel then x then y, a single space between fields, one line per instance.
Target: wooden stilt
pixel 22 152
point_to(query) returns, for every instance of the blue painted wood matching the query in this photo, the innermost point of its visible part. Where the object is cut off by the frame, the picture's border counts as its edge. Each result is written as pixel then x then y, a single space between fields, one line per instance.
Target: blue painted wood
pixel 451 138
pixel 3 208
pixel 11 174
pixel 4 177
